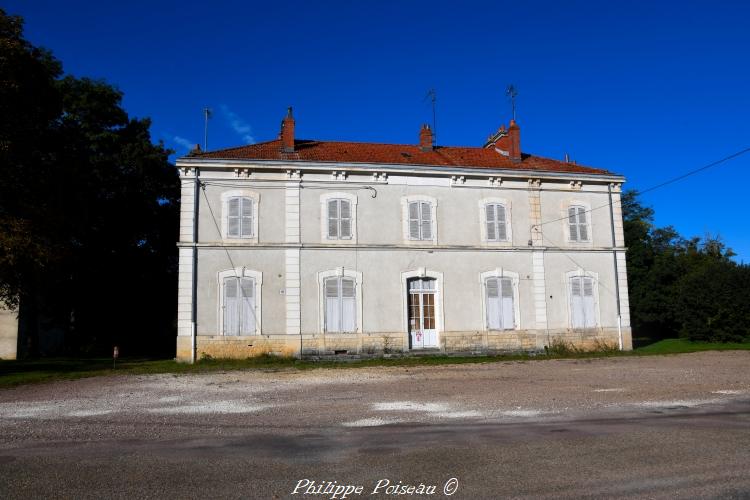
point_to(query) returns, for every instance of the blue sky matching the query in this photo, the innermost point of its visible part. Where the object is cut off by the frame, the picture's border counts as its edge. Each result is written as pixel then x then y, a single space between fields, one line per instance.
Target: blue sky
pixel 646 89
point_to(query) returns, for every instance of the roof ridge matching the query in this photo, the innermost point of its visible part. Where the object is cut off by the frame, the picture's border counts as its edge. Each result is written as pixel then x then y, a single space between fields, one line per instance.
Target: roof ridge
pixel 233 148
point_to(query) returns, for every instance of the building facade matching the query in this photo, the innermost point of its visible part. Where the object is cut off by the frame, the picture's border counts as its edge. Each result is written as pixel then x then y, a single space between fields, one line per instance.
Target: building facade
pixel 312 247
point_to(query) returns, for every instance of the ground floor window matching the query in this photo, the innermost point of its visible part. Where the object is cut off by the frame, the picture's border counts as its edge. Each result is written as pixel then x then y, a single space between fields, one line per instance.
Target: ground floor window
pixel 239 306
pixel 340 304
pixel 582 306
pixel 500 308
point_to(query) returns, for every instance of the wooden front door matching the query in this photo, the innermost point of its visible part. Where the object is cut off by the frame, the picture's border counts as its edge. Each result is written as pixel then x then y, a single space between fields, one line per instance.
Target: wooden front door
pixel 422 311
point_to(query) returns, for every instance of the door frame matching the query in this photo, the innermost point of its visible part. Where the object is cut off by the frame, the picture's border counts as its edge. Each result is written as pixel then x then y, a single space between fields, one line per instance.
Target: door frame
pixel 439 319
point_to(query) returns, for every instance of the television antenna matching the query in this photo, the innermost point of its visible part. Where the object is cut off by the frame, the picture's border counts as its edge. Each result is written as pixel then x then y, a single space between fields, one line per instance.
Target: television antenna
pixel 432 96
pixel 207 113
pixel 512 92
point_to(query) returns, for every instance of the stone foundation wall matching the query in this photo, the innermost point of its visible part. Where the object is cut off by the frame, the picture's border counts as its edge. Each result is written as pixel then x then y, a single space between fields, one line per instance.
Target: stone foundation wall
pixel 378 344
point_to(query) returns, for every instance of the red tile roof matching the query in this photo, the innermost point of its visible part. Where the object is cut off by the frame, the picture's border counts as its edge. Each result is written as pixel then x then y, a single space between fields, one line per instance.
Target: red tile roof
pixel 401 154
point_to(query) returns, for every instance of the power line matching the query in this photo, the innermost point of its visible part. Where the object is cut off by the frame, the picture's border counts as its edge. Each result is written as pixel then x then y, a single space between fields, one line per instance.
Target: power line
pixel 662 184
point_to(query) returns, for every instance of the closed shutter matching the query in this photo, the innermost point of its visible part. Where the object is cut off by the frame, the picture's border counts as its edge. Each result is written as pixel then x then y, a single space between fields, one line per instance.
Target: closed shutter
pixel 348 306
pixel 247 217
pixel 426 221
pixel 572 224
pixel 333 315
pixel 508 314
pixel 233 218
pixel 589 314
pixel 333 219
pixel 489 210
pixel 247 307
pixel 582 225
pixel 576 303
pixel 502 233
pixel 231 307
pixel 414 233
pixel 345 211
pixel 494 304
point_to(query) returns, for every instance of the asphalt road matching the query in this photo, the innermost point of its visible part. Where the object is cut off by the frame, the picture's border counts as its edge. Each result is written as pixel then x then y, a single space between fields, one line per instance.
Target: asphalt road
pixel 654 427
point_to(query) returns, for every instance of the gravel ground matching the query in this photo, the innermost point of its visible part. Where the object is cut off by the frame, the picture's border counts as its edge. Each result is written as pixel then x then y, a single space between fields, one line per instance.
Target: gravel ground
pixel 657 426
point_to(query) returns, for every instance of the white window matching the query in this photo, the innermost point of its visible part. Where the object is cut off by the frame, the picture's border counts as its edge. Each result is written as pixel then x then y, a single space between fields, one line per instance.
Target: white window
pixel 339 213
pixel 420 220
pixel 239 306
pixel 338 218
pixel 582 302
pixel 500 308
pixel 239 215
pixel 239 302
pixel 577 224
pixel 496 222
pixel 340 304
pixel 419 216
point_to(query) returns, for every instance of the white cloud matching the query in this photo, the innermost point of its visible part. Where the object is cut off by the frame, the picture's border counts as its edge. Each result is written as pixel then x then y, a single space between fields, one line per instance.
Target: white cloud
pixel 185 143
pixel 240 126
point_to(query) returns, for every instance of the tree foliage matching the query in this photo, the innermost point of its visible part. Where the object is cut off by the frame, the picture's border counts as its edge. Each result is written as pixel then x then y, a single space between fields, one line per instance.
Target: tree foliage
pixel 88 207
pixel 682 287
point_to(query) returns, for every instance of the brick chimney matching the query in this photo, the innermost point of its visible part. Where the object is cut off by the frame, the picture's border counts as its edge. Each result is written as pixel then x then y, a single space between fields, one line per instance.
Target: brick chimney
pixel 506 142
pixel 514 133
pixel 287 132
pixel 425 138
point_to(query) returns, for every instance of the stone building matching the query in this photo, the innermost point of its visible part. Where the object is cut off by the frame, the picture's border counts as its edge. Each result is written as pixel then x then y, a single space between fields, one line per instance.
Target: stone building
pixel 325 247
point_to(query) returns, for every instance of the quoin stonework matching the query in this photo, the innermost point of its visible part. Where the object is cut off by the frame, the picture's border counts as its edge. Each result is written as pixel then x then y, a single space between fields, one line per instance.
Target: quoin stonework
pixel 320 247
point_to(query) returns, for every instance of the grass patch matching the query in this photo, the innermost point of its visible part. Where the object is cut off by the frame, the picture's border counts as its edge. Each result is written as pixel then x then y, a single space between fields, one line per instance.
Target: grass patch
pixel 679 346
pixel 14 373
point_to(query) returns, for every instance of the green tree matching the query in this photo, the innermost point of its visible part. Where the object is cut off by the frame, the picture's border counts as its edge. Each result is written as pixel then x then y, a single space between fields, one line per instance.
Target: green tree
pixel 89 210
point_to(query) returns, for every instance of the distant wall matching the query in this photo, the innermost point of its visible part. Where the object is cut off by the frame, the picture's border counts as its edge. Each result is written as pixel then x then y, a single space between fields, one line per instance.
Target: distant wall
pixel 8 334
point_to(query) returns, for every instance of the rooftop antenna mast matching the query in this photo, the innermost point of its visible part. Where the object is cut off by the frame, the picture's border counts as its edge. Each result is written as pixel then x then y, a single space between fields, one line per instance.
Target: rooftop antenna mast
pixel 432 96
pixel 207 113
pixel 512 93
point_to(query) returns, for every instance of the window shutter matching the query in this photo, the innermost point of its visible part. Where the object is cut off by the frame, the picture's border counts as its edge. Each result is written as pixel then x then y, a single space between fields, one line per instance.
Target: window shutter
pixel 233 218
pixel 247 217
pixel 414 232
pixel 576 305
pixel 333 312
pixel 346 219
pixel 247 308
pixel 230 307
pixel 501 231
pixel 333 219
pixel 426 221
pixel 508 314
pixel 572 224
pixel 582 225
pixel 494 306
pixel 589 314
pixel 489 210
pixel 348 306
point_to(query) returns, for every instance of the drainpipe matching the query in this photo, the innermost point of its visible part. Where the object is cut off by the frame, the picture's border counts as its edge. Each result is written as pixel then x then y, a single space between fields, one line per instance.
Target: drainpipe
pixel 617 276
pixel 194 308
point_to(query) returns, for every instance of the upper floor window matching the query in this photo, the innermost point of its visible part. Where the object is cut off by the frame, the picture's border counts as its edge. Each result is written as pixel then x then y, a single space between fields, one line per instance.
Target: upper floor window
pixel 420 220
pixel 582 302
pixel 419 214
pixel 338 217
pixel 577 223
pixel 239 215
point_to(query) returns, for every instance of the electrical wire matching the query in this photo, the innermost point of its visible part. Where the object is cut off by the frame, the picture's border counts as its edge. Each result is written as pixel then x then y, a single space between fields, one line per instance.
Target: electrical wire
pixel 660 185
